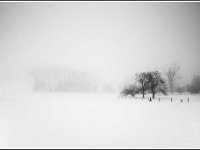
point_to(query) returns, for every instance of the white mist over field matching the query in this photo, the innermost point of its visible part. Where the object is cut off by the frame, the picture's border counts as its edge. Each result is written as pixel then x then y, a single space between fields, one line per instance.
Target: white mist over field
pixel 63 65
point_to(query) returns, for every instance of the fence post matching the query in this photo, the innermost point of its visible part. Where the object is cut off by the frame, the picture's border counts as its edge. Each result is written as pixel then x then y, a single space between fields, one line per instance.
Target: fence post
pixel 159 99
pixel 171 99
pixel 181 101
pixel 188 100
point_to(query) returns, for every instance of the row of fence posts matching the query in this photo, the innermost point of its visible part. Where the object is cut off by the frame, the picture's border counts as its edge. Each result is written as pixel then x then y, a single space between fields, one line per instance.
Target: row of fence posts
pixel 188 100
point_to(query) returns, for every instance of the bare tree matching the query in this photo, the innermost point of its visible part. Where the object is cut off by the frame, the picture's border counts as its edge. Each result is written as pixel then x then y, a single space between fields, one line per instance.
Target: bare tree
pixel 142 79
pixel 156 83
pixel 172 76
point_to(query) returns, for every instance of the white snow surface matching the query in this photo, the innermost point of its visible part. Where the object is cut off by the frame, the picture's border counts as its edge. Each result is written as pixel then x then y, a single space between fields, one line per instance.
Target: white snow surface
pixel 86 120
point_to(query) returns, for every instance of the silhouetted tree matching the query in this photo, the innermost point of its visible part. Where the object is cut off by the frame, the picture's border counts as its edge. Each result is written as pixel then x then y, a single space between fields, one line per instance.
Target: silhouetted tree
pixel 156 83
pixel 172 76
pixel 142 79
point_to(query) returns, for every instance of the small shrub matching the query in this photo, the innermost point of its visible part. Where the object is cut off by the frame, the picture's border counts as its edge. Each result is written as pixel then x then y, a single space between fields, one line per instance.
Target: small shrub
pixel 130 90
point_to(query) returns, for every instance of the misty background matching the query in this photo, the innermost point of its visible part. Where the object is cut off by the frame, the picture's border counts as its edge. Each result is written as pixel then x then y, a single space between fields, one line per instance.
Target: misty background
pixel 111 41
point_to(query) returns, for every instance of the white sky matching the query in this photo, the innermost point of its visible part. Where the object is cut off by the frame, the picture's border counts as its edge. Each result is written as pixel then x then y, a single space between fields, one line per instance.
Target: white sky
pixel 112 39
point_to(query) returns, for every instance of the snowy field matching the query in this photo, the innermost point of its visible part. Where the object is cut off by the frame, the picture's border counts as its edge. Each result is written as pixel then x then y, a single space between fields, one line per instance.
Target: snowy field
pixel 59 120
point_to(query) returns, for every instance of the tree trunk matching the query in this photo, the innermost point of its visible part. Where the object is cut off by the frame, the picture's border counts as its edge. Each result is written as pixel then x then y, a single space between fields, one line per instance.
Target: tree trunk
pixel 153 95
pixel 171 88
pixel 142 91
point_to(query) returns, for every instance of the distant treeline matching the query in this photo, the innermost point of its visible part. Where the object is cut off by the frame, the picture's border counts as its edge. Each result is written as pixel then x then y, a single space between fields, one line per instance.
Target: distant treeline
pixel 62 80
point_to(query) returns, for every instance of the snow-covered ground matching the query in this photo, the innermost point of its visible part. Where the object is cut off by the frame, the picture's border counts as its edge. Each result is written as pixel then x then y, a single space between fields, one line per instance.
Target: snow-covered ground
pixel 60 120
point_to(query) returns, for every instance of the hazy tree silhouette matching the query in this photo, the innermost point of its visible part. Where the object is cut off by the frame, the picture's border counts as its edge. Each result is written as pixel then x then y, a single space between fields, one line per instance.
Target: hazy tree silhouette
pixel 194 86
pixel 156 83
pixel 180 89
pixel 62 80
pixel 172 76
pixel 142 79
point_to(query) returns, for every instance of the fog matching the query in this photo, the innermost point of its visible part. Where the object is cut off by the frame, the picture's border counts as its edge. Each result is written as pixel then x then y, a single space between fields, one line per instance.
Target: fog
pixel 111 40
pixel 64 68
